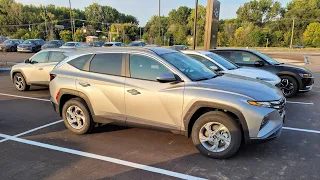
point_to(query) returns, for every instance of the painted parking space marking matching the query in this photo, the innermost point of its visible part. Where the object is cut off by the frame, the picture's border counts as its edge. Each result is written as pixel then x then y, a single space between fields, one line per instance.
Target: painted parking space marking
pixel 24 97
pixel 296 102
pixel 301 130
pixel 33 130
pixel 102 158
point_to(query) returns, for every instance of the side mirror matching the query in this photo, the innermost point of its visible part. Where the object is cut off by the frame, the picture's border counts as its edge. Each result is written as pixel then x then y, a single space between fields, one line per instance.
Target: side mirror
pixel 27 61
pixel 167 77
pixel 215 68
pixel 259 63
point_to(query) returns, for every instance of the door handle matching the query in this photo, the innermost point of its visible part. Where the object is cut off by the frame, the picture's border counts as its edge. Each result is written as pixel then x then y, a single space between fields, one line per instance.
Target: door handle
pixel 84 84
pixel 133 91
pixel 40 68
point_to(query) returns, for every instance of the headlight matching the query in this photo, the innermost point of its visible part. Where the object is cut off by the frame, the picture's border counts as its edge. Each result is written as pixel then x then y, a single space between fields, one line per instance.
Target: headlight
pixel 260 104
pixel 305 75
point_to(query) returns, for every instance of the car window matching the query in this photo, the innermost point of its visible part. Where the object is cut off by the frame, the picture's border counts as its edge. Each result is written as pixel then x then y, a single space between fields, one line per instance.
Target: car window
pixel 222 61
pixel 143 67
pixel 80 62
pixel 41 57
pixel 203 60
pixel 109 63
pixel 245 57
pixel 56 56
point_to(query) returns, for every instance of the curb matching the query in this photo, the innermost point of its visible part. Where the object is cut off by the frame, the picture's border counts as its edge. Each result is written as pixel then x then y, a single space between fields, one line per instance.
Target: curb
pixel 5 69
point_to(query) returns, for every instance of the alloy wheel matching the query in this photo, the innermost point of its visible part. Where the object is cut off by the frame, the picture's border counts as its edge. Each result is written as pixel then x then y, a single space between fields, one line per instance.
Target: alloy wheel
pixel 19 82
pixel 215 137
pixel 75 117
pixel 287 87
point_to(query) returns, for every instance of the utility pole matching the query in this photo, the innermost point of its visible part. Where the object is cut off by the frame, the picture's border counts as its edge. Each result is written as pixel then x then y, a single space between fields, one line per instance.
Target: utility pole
pixel 45 21
pixel 140 33
pixel 292 33
pixel 71 21
pixel 195 26
pixel 159 20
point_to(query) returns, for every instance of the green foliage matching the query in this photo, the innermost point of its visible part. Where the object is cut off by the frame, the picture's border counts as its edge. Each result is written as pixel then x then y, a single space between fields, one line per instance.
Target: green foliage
pixel 312 35
pixel 66 35
pixel 126 32
pixel 79 35
pixel 19 33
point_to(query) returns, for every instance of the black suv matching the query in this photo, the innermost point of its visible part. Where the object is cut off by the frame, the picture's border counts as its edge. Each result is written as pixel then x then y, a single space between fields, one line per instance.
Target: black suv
pixel 293 78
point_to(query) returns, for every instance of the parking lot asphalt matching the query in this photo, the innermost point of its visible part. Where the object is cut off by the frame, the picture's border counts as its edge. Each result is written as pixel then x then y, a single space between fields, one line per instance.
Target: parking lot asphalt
pixel 38 146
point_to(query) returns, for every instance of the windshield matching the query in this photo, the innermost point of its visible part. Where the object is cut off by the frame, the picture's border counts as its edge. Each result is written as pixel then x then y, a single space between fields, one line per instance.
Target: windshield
pixel 267 58
pixel 134 44
pixel 222 61
pixel 10 41
pixel 53 42
pixel 108 44
pixel 193 69
pixel 29 42
pixel 69 44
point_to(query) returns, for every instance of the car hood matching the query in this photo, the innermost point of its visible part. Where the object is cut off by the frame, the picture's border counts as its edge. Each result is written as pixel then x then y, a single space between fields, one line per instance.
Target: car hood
pixel 49 45
pixel 295 68
pixel 68 47
pixel 19 66
pixel 256 89
pixel 25 45
pixel 256 74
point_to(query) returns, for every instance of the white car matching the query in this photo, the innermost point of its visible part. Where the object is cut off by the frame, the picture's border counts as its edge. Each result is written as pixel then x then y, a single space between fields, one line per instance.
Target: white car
pixel 218 63
pixel 69 45
pixel 36 70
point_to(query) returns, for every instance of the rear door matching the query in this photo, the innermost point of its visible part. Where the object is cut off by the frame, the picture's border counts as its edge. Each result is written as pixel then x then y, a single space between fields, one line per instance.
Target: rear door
pixel 102 81
pixel 149 102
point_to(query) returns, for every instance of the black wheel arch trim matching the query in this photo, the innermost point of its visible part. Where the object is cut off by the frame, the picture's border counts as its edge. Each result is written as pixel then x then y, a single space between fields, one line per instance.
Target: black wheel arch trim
pixel 294 75
pixel 18 71
pixel 65 91
pixel 202 104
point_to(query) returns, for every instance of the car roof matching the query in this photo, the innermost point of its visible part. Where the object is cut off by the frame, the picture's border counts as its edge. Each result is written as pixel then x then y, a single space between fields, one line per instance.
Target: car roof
pixel 59 50
pixel 112 42
pixel 233 49
pixel 151 50
pixel 203 52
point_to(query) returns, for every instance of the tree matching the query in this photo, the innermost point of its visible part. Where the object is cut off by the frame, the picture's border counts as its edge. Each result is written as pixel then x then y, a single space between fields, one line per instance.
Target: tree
pixel 259 11
pixel 79 35
pixel 65 35
pixel 201 23
pixel 311 36
pixel 19 33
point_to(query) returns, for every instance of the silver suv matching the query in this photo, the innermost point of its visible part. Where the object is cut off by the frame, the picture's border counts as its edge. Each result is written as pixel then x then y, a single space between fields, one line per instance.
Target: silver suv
pixel 164 89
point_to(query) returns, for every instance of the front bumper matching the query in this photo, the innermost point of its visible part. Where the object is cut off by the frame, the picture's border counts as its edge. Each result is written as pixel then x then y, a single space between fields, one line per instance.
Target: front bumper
pixel 307 84
pixel 24 50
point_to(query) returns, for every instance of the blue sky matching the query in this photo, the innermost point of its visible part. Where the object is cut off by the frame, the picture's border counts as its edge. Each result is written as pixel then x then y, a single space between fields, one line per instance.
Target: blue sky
pixel 144 9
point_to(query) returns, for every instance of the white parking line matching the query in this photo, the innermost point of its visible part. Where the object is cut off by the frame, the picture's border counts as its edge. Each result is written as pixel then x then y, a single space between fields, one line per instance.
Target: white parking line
pixel 24 97
pixel 295 102
pixel 32 130
pixel 102 158
pixel 301 130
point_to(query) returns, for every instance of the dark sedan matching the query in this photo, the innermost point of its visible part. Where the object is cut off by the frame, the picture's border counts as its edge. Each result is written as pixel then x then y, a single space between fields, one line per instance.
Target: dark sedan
pixel 10 45
pixel 31 45
pixel 53 44
pixel 96 44
pixel 293 78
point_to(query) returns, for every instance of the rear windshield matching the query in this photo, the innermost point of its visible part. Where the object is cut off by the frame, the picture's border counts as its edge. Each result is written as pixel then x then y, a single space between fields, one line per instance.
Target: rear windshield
pixel 69 44
pixel 108 44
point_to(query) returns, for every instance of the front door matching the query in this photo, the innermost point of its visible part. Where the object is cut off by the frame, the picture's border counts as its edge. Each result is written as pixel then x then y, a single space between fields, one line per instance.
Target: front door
pixel 149 102
pixel 38 61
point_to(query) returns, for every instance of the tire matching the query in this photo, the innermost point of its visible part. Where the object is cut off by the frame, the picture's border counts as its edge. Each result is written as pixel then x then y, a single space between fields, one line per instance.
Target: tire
pixel 86 124
pixel 20 82
pixel 33 50
pixel 11 49
pixel 234 134
pixel 289 86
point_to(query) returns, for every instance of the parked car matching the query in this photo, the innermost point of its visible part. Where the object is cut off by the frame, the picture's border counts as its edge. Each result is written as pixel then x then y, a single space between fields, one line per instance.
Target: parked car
pixel 179 47
pixel 95 44
pixel 3 38
pixel 137 43
pixel 36 70
pixel 298 46
pixel 165 89
pixel 10 45
pixel 72 45
pixel 293 78
pixel 31 45
pixel 220 64
pixel 110 44
pixel 53 44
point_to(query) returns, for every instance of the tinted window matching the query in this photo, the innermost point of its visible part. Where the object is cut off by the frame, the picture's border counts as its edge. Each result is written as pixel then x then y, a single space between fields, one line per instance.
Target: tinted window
pixel 245 57
pixel 69 44
pixel 110 63
pixel 203 60
pixel 193 69
pixel 56 56
pixel 222 61
pixel 108 44
pixel 40 57
pixel 225 54
pixel 80 62
pixel 143 67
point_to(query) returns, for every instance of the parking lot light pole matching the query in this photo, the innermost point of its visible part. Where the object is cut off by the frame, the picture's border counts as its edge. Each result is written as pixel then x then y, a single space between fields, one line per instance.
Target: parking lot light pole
pixel 71 22
pixel 195 26
pixel 159 20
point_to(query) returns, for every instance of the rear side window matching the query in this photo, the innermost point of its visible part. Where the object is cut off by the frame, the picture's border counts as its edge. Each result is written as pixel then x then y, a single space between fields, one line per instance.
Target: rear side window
pixel 225 54
pixel 56 56
pixel 110 63
pixel 80 62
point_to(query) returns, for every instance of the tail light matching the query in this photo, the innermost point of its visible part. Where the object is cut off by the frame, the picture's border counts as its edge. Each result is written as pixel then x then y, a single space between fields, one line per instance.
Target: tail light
pixel 52 76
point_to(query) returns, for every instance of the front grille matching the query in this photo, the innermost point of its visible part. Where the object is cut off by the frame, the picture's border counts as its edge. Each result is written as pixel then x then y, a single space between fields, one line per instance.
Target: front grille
pixel 279 105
